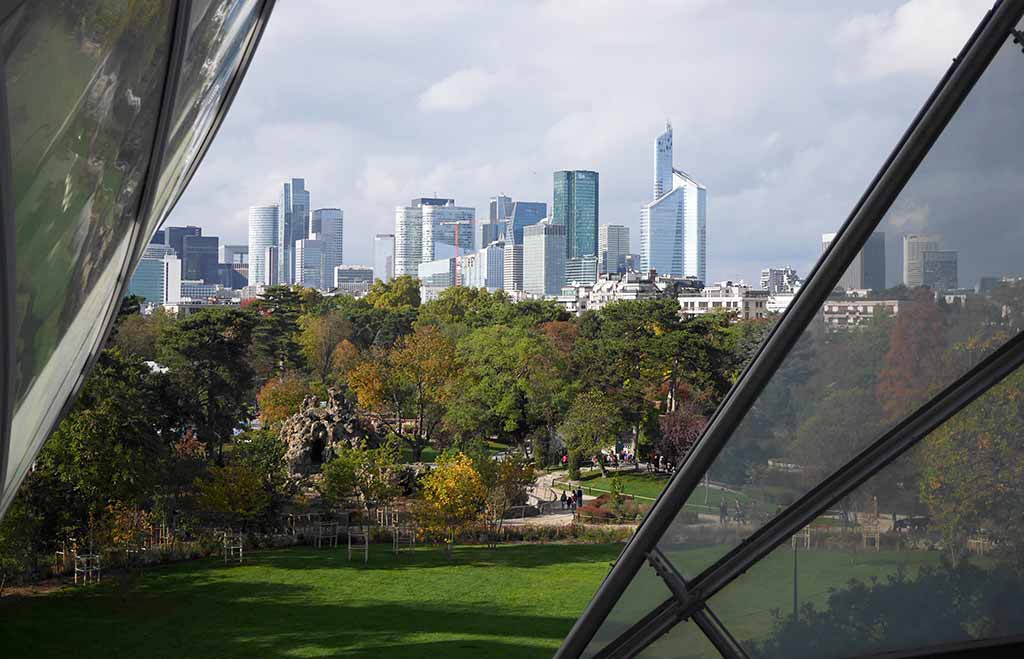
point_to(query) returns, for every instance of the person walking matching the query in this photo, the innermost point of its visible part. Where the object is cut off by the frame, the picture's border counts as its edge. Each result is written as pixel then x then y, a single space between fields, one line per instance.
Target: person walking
pixel 579 496
pixel 571 500
pixel 723 512
pixel 563 499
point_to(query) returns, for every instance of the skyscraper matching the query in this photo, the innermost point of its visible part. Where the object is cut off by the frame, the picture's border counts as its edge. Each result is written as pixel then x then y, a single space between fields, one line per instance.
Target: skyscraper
pixel 673 227
pixel 498 217
pixel 513 273
pixel 867 270
pixel 263 227
pixel 939 270
pixel 310 258
pixel 914 247
pixel 199 258
pixel 447 231
pixel 293 224
pixel 176 235
pixel 612 247
pixel 328 225
pixel 409 234
pixel 576 208
pixel 148 280
pixel 233 254
pixel 384 256
pixel 544 258
pixel 524 213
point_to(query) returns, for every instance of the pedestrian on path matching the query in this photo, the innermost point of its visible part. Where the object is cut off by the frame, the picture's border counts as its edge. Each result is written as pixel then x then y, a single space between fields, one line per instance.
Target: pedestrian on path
pixel 564 499
pixel 579 496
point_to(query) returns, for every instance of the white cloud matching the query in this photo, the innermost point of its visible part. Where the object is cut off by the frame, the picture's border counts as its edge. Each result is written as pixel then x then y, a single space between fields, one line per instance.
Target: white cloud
pixel 462 90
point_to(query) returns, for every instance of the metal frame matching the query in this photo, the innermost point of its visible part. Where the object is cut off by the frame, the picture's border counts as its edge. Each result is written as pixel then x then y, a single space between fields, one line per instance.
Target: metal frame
pixel 955 85
pixel 7 295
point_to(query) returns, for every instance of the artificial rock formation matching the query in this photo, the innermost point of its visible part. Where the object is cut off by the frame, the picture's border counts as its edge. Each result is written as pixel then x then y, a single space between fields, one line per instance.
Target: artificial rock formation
pixel 317 430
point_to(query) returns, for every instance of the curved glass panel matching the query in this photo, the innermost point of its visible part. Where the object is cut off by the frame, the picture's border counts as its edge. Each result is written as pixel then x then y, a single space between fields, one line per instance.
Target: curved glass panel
pixel 83 83
pixel 925 553
pixel 217 34
pixel 949 253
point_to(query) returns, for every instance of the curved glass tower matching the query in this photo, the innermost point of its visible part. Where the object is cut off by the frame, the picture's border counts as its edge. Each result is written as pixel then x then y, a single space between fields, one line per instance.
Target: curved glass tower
pixel 91 163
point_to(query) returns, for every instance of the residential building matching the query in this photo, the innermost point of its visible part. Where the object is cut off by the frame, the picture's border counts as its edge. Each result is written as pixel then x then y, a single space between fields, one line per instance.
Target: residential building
pixel 673 226
pixel 576 208
pixel 867 270
pixel 914 247
pixel 846 314
pixel 328 225
pixel 310 266
pixel 176 235
pixel 353 279
pixel 293 225
pixel 779 280
pixel 384 256
pixel 513 276
pixel 544 258
pixel 614 287
pixel 612 247
pixel 745 302
pixel 199 258
pixel 233 254
pixel 524 214
pixel 939 270
pixel 263 226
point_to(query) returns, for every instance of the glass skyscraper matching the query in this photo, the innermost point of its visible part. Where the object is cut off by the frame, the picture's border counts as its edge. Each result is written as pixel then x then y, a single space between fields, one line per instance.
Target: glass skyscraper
pixel 524 214
pixel 199 258
pixel 263 227
pixel 384 256
pixel 293 224
pixel 328 225
pixel 576 208
pixel 148 280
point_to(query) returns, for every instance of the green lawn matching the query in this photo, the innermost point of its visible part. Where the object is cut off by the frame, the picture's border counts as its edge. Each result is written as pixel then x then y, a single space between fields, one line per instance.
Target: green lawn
pixel 647 485
pixel 516 601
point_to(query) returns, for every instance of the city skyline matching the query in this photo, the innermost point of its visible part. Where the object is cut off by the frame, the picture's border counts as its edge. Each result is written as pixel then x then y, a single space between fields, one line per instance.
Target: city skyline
pixel 431 126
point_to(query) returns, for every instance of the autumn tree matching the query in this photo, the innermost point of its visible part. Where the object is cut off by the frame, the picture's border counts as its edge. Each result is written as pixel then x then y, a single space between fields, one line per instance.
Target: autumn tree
pixel 281 397
pixel 453 496
pixel 319 337
pixel 914 357
pixel 506 482
pixel 679 431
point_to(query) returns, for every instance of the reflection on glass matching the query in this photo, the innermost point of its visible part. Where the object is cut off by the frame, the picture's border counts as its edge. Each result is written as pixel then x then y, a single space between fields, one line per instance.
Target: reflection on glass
pixel 871 357
pixel 218 32
pixel 635 603
pixel 81 137
pixel 928 551
pixel 684 641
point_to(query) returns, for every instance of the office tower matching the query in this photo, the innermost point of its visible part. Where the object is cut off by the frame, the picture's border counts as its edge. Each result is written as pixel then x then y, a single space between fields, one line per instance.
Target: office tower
pixel 939 270
pixel 544 258
pixel 233 254
pixel 576 208
pixel 779 280
pixel 485 268
pixel 263 227
pixel 524 214
pixel 612 247
pixel 199 258
pixel 272 273
pixel 233 275
pixel 867 270
pixel 159 238
pixel 352 279
pixel 512 279
pixel 328 225
pixel 310 257
pixel 914 247
pixel 500 212
pixel 447 231
pixel 409 234
pixel 293 224
pixel 384 256
pixel 673 227
pixel 176 235
pixel 147 281
pixel 581 270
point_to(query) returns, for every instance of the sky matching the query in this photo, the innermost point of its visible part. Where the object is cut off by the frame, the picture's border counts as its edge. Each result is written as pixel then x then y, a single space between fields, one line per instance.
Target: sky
pixel 784 110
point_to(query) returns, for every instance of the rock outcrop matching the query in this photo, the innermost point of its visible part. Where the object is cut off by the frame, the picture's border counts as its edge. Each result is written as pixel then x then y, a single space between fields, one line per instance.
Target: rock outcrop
pixel 314 434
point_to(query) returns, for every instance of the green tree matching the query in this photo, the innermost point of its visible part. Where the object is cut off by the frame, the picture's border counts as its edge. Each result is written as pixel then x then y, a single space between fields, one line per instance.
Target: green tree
pixel 275 348
pixel 233 494
pixel 320 336
pixel 398 294
pixel 592 424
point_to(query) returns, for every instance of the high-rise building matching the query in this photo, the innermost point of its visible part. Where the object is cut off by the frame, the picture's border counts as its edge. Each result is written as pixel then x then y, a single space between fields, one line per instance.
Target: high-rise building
pixel 500 212
pixel 353 279
pixel 263 227
pixel 939 270
pixel 673 227
pixel 199 258
pixel 176 235
pixel 867 270
pixel 447 231
pixel 914 247
pixel 612 247
pixel 149 279
pixel 581 270
pixel 159 238
pixel 384 256
pixel 544 258
pixel 328 225
pixel 524 214
pixel 576 208
pixel 409 234
pixel 485 268
pixel 310 256
pixel 779 280
pixel 293 224
pixel 272 274
pixel 233 254
pixel 512 279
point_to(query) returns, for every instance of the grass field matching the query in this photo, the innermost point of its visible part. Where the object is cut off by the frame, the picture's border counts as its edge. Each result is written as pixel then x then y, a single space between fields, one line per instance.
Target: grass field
pixel 515 601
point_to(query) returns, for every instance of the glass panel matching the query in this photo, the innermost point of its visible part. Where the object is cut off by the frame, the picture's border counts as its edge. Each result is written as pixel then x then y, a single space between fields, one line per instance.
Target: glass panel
pixel 83 87
pixel 645 592
pixel 218 32
pixel 926 552
pixel 685 641
pixel 949 251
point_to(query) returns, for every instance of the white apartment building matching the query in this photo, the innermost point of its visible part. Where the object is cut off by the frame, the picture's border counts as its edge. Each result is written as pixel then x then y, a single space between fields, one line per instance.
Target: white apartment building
pixel 745 302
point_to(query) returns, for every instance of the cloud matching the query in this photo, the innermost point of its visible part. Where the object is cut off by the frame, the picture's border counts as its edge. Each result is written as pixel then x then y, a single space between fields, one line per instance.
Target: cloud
pixel 462 90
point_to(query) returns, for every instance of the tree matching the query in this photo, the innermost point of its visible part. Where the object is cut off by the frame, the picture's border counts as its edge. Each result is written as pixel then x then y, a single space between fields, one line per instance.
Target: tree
pixel 914 356
pixel 274 346
pixel 372 475
pixel 592 424
pixel 233 494
pixel 400 293
pixel 263 452
pixel 136 334
pixel 320 337
pixel 680 430
pixel 410 382
pixel 453 495
pixel 205 353
pixel 506 481
pixel 281 397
